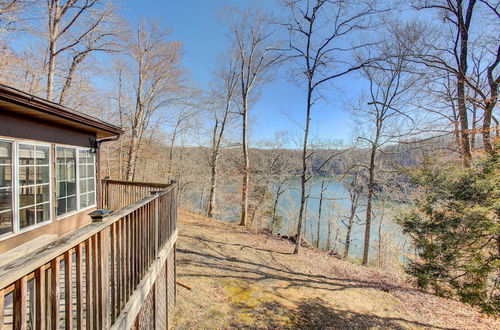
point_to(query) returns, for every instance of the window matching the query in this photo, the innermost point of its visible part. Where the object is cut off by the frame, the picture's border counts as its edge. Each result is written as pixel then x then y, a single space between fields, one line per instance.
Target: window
pixel 34 184
pixel 86 175
pixel 6 215
pixel 65 180
pixel 71 198
pixel 29 187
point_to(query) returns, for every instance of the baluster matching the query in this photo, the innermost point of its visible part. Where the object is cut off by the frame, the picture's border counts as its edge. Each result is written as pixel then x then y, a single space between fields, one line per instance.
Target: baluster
pixel 79 287
pixel 68 281
pixel 88 283
pixel 20 303
pixel 54 293
pixel 39 298
pixel 2 301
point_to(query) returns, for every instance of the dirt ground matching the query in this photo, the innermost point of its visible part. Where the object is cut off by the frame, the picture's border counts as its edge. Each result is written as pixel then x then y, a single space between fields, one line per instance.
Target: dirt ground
pixel 244 280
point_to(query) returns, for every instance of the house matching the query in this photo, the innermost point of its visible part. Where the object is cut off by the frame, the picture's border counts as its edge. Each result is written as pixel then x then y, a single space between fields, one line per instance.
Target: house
pixel 64 261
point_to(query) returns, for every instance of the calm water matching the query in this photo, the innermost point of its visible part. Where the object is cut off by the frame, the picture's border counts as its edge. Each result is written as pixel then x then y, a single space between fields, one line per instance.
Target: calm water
pixel 335 210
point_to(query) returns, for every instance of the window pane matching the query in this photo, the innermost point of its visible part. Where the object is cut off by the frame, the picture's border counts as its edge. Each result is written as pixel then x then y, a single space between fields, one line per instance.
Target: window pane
pixel 83 171
pixel 5 222
pixel 5 199
pixel 91 199
pixel 61 206
pixel 5 175
pixel 90 185
pixel 83 201
pixel 61 172
pixel 61 189
pixel 42 155
pixel 26 154
pixel 71 188
pixel 27 217
pixel 26 196
pixel 66 178
pixel 42 194
pixel 26 175
pixel 83 186
pixel 42 174
pixel 42 212
pixel 70 171
pixel 71 204
pixel 85 157
pixel 90 171
pixel 5 152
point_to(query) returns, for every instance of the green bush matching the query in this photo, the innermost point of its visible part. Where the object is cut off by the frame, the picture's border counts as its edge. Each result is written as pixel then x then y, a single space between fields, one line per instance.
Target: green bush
pixel 456 231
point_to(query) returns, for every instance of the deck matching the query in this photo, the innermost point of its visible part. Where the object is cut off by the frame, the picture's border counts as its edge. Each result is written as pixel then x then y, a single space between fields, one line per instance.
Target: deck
pixel 116 273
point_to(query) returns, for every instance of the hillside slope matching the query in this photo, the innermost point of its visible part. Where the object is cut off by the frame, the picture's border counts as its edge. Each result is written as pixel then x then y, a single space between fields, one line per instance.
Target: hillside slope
pixel 242 279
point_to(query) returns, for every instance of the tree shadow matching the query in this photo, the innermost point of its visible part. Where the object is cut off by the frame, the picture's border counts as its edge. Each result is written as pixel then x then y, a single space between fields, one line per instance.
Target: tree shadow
pixel 313 313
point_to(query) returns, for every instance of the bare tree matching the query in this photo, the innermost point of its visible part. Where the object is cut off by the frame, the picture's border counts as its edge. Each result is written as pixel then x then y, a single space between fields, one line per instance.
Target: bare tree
pixel 452 50
pixel 319 31
pixel 252 44
pixel 224 93
pixel 11 14
pixel 386 117
pixel 156 76
pixel 77 28
pixel 354 181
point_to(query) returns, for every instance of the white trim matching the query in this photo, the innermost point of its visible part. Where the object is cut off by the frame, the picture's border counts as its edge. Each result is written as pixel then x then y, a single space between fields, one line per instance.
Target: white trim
pixel 77 181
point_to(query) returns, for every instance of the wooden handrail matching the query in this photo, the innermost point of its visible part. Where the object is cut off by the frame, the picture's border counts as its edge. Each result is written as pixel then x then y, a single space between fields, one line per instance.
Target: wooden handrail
pixel 28 263
pixel 138 183
pixel 108 261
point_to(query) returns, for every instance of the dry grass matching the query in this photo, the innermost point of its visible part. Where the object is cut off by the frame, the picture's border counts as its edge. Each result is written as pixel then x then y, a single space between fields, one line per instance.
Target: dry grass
pixel 243 279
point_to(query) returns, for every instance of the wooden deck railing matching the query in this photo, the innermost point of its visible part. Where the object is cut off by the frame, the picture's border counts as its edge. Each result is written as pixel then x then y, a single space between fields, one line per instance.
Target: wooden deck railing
pixel 100 276
pixel 117 194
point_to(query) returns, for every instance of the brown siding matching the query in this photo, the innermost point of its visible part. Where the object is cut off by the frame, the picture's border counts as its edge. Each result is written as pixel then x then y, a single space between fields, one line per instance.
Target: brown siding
pixel 16 126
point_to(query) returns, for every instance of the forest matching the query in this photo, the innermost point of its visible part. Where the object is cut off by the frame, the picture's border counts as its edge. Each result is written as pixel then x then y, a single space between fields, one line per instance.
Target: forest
pixel 413 187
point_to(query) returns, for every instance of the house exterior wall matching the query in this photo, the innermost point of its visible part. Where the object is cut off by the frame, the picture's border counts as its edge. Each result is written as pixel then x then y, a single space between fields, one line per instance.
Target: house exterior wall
pixel 16 126
pixel 13 126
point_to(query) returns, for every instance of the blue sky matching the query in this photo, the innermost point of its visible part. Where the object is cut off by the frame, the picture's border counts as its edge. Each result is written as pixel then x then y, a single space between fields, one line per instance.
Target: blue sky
pixel 196 24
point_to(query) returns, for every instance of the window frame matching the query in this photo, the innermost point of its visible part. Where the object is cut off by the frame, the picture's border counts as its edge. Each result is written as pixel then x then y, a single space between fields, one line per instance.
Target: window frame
pixel 15 188
pixel 77 177
pixel 17 224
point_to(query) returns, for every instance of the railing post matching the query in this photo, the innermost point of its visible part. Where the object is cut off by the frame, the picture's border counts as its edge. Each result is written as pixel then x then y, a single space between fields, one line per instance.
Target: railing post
pixel 157 221
pixel 103 269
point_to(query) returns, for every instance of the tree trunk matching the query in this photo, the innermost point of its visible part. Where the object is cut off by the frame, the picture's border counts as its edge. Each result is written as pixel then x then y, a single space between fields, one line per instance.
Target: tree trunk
pixel 246 166
pixel 463 29
pixel 319 212
pixel 213 183
pixel 328 243
pixel 488 114
pixel 350 222
pixel 379 243
pixel 464 123
pixel 131 158
pixel 303 173
pixel 67 84
pixel 371 187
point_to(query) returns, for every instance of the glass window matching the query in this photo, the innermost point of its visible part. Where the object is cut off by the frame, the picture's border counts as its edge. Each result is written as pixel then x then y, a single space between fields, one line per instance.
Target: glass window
pixel 34 181
pixel 65 180
pixel 86 178
pixel 6 223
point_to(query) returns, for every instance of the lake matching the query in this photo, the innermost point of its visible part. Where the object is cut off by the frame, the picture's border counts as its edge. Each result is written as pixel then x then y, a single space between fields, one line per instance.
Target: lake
pixel 335 210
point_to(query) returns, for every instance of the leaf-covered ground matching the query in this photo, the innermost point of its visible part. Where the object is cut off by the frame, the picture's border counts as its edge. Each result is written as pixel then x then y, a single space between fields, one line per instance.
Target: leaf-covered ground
pixel 243 279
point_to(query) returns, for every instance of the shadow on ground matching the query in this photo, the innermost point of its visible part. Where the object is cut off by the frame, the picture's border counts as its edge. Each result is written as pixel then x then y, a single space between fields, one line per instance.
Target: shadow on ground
pixel 263 289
